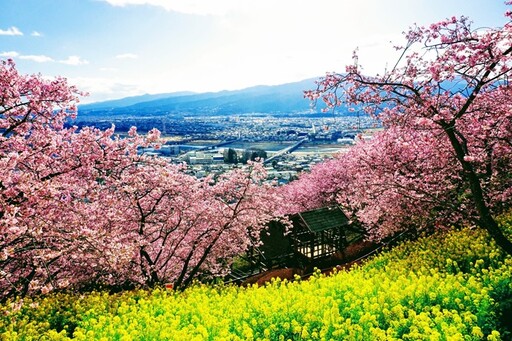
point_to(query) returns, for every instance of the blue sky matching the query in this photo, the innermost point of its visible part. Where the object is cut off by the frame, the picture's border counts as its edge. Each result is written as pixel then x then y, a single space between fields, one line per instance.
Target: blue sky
pixel 119 48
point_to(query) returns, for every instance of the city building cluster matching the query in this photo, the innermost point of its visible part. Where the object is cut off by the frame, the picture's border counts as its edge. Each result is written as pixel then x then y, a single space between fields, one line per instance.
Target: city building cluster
pixel 287 145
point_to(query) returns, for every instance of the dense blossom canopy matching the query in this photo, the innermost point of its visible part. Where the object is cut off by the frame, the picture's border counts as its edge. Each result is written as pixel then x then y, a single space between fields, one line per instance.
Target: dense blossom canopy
pixel 445 154
pixel 84 207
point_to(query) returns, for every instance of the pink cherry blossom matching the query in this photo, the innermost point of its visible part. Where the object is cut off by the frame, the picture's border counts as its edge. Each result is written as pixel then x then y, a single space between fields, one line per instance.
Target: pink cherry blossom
pixel 445 155
pixel 83 207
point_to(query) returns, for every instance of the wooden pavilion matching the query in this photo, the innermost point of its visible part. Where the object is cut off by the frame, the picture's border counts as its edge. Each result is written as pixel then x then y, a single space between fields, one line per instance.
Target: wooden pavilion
pixel 315 235
pixel 320 233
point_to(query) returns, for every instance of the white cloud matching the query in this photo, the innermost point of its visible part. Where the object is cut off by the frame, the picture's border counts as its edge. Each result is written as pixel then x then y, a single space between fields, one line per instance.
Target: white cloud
pixel 74 60
pixel 71 60
pixel 108 69
pixel 9 54
pixel 36 58
pixel 102 89
pixel 36 34
pixel 11 31
pixel 127 56
pixel 198 7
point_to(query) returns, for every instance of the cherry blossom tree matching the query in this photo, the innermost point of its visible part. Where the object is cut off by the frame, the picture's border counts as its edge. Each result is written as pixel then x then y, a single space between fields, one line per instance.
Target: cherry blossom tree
pixel 182 228
pixel 446 110
pixel 398 180
pixel 85 207
pixel 31 110
pixel 54 232
pixel 322 186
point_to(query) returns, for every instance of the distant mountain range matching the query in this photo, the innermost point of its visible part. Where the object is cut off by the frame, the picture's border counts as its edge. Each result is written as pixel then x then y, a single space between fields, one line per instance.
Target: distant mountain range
pixel 278 99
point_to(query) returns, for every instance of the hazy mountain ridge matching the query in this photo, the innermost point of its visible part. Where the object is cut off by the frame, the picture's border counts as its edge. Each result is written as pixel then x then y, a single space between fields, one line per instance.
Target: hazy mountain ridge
pixel 284 98
pixel 128 101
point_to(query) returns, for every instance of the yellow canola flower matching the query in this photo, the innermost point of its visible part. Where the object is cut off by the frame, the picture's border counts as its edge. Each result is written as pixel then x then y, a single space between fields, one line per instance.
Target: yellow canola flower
pixel 494 336
pixel 407 293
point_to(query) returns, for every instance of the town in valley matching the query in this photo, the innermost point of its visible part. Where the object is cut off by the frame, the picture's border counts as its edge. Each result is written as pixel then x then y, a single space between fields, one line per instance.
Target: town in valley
pixel 286 145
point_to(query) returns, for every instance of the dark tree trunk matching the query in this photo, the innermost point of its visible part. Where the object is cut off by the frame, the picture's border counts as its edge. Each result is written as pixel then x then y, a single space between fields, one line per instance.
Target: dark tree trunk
pixel 486 220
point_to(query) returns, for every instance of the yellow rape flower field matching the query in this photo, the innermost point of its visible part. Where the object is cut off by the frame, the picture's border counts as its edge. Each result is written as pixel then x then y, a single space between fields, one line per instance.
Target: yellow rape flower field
pixel 450 286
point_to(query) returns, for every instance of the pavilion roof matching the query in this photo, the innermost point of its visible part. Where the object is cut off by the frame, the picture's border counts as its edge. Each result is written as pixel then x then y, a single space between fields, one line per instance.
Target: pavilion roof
pixel 321 219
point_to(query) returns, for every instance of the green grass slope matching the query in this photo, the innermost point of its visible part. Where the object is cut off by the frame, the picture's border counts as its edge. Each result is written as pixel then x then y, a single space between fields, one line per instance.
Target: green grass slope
pixel 455 285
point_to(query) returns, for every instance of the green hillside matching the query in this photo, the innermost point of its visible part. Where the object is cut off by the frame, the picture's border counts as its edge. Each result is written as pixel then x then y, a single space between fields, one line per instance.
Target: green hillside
pixel 455 285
